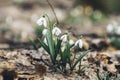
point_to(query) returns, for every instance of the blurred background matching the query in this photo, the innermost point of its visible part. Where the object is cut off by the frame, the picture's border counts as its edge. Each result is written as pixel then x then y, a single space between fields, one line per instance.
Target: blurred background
pixel 18 17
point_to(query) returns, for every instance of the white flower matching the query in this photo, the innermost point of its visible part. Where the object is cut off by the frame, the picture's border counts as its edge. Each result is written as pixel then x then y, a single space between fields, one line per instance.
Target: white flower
pixel 71 42
pixel 45 41
pixel 44 32
pixel 64 38
pixel 79 43
pixel 117 30
pixel 63 48
pixel 110 28
pixel 56 31
pixel 42 22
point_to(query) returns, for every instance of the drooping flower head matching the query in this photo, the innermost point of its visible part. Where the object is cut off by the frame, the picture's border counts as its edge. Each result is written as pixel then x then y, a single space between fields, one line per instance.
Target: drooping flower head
pixel 110 28
pixel 42 21
pixel 56 31
pixel 64 38
pixel 79 43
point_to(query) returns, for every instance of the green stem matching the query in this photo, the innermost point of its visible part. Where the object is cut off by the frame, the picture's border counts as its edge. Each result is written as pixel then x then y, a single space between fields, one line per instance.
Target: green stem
pixel 50 41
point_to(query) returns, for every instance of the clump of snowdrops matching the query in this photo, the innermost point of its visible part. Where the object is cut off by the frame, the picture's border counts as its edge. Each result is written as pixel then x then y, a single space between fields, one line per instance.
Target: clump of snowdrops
pixel 60 47
pixel 113 28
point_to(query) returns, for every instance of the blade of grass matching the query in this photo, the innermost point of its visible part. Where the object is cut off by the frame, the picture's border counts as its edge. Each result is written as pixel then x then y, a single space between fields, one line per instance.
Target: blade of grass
pixel 65 57
pixel 57 47
pixel 98 76
pixel 44 46
pixel 33 43
pixel 80 70
pixel 107 77
pixel 51 45
pixel 79 59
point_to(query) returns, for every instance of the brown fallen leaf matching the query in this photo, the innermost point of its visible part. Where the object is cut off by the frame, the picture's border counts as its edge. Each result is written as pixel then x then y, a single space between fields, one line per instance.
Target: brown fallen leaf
pixel 40 69
pixel 91 59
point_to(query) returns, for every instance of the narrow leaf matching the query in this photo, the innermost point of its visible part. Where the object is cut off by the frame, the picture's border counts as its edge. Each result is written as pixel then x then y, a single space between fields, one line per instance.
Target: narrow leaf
pixel 79 59
pixel 79 71
pixel 98 76
pixel 44 46
pixel 34 45
pixel 57 47
pixel 51 45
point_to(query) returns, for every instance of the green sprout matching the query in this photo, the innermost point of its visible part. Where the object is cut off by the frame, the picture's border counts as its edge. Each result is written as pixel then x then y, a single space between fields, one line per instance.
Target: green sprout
pixel 59 47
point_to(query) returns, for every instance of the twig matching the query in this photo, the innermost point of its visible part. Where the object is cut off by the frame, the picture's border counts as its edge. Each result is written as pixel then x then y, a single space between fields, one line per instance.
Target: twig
pixel 53 11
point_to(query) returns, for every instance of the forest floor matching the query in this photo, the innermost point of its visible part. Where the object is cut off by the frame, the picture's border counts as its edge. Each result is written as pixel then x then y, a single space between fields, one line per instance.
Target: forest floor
pixel 20 61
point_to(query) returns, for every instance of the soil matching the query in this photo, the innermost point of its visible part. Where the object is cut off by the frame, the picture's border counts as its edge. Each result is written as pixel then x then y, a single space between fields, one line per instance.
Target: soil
pixel 19 60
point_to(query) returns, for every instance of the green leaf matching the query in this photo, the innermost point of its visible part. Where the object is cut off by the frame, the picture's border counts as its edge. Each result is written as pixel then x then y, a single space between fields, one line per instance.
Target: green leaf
pixel 65 57
pixel 44 46
pixel 79 71
pixel 51 45
pixel 79 59
pixel 34 45
pixel 107 77
pixel 38 30
pixel 98 76
pixel 115 42
pixel 57 47
pixel 118 78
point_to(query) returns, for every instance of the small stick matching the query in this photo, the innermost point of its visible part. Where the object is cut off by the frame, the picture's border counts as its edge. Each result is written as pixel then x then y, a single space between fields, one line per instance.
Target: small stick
pixel 53 11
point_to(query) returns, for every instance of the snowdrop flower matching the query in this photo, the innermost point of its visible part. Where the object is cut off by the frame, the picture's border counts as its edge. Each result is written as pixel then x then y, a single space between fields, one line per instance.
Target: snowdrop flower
pixel 63 48
pixel 71 42
pixel 110 28
pixel 42 22
pixel 44 32
pixel 79 43
pixel 117 30
pixel 56 31
pixel 45 41
pixel 64 38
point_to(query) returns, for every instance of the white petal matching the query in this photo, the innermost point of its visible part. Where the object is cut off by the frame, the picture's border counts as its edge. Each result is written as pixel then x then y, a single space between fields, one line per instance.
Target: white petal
pixel 45 23
pixel 42 22
pixel 76 43
pixel 56 31
pixel 110 28
pixel 44 32
pixel 118 30
pixel 71 42
pixel 79 43
pixel 45 41
pixel 64 38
